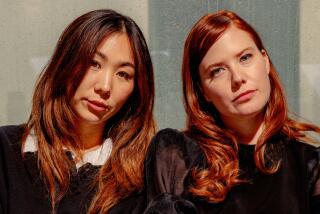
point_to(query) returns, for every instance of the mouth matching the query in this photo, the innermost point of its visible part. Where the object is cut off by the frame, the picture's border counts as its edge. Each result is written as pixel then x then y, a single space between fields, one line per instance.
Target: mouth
pixel 245 96
pixel 98 105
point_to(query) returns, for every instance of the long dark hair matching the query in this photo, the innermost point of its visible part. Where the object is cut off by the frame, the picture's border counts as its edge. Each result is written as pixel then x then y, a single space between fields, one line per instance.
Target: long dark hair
pixel 203 120
pixel 53 120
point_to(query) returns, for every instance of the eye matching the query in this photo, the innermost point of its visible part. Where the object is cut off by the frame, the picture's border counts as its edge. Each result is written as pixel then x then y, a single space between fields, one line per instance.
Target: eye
pixel 245 57
pixel 95 65
pixel 216 72
pixel 124 75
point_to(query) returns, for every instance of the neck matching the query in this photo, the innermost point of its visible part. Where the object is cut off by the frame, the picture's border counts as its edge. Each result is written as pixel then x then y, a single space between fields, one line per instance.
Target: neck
pixel 248 130
pixel 90 135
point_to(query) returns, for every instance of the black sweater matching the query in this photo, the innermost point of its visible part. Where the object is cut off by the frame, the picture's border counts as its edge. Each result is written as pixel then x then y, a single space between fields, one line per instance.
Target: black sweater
pixel 290 190
pixel 23 191
pixel 170 158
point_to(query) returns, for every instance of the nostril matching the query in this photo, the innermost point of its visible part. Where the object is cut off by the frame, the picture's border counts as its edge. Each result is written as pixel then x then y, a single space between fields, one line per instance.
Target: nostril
pixel 105 95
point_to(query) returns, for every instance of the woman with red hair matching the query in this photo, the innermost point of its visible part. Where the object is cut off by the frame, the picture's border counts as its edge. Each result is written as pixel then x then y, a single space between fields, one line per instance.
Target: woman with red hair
pixel 240 153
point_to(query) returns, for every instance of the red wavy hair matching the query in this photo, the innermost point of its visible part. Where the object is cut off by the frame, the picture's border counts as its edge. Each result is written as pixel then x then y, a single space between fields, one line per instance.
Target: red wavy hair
pixel 204 124
pixel 54 122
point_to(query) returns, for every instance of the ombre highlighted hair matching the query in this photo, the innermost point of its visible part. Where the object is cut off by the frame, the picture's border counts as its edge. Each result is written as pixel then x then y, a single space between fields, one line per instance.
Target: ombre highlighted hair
pixel 204 123
pixel 54 122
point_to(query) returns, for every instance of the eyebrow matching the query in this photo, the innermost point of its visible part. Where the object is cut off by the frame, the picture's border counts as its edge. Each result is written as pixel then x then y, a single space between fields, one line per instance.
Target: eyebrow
pixel 220 63
pixel 126 64
pixel 244 50
pixel 120 64
pixel 101 55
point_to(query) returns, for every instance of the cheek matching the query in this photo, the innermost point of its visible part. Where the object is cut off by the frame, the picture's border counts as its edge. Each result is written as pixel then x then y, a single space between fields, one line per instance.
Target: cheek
pixel 123 93
pixel 83 89
pixel 76 95
pixel 217 95
pixel 86 83
pixel 263 79
pixel 268 87
pixel 262 67
pixel 264 86
pixel 80 91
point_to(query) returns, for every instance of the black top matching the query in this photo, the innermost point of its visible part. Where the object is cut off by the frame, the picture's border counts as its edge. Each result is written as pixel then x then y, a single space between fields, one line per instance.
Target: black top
pixel 294 188
pixel 22 190
pixel 170 158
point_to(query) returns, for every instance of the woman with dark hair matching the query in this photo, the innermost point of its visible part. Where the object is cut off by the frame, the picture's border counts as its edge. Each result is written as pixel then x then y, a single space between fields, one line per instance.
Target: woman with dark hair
pixel 240 153
pixel 83 147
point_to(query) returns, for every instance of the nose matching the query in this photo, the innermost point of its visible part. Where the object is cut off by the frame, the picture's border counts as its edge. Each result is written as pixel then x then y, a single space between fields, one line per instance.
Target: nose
pixel 237 78
pixel 104 83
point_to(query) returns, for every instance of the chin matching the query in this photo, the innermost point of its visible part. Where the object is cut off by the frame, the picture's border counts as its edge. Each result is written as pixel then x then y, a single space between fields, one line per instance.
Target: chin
pixel 250 112
pixel 91 118
pixel 252 107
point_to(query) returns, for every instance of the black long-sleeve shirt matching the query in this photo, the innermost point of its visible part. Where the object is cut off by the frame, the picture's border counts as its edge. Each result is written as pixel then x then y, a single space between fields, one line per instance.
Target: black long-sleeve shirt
pixel 293 189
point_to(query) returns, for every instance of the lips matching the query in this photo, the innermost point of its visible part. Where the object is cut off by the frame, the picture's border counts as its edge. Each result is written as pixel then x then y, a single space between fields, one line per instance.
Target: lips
pixel 97 105
pixel 244 96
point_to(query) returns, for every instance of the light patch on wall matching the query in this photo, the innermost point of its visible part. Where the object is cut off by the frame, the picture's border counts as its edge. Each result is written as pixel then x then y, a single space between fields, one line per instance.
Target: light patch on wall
pixel 311 74
pixel 310 92
pixel 38 63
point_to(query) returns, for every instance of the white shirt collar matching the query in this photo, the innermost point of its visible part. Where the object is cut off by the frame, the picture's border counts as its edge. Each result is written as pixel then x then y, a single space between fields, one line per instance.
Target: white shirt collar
pixel 96 157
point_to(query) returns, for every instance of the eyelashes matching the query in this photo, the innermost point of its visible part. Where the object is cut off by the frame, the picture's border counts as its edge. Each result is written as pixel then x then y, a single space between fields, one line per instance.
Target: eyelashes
pixel 96 66
pixel 124 75
pixel 218 71
pixel 246 57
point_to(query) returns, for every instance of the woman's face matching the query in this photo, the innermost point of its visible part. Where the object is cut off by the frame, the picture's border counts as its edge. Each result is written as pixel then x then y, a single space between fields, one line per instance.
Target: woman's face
pixel 108 82
pixel 234 75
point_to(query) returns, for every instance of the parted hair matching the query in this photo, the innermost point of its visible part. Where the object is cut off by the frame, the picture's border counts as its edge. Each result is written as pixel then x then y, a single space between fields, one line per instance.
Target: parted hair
pixel 205 125
pixel 53 121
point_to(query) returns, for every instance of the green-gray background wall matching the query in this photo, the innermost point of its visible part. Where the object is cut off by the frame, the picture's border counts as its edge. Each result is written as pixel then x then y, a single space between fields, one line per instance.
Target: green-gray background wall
pixel 29 30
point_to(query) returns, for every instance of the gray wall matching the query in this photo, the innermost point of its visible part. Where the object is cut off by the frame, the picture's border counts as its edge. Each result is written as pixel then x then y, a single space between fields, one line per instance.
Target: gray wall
pixel 277 21
pixel 29 30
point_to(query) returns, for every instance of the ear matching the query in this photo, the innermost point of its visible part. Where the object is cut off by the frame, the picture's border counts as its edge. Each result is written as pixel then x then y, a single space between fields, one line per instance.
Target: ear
pixel 266 59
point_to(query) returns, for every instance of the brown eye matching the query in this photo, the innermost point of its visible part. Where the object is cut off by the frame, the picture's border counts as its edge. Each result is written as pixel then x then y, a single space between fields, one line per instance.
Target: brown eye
pixel 95 65
pixel 124 75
